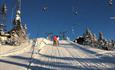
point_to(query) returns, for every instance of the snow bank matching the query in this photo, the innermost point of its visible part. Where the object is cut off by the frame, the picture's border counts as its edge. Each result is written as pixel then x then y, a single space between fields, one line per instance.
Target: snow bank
pixel 14 50
pixel 99 53
pixel 42 42
pixel 46 41
pixel 64 42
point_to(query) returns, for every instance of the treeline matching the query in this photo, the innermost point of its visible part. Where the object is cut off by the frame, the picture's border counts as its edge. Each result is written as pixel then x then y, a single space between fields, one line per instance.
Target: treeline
pixel 90 39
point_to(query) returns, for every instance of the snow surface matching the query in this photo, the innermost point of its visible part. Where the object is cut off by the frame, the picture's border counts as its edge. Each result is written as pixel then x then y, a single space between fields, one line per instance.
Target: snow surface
pixel 66 56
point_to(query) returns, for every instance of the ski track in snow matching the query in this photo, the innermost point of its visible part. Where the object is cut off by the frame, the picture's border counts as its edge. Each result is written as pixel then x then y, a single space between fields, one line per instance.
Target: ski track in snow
pixel 63 57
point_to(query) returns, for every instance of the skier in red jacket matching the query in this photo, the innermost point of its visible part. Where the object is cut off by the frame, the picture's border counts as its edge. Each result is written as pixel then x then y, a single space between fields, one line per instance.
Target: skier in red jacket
pixel 55 41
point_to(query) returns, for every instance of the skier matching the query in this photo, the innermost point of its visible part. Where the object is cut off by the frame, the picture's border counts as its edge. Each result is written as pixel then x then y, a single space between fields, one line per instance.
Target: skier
pixel 58 40
pixel 55 40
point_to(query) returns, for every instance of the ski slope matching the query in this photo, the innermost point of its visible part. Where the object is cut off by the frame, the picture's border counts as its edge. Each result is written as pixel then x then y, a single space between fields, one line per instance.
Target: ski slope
pixel 66 56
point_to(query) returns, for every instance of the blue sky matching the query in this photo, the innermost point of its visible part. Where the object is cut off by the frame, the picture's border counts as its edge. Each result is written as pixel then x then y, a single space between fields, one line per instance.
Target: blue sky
pixel 59 17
